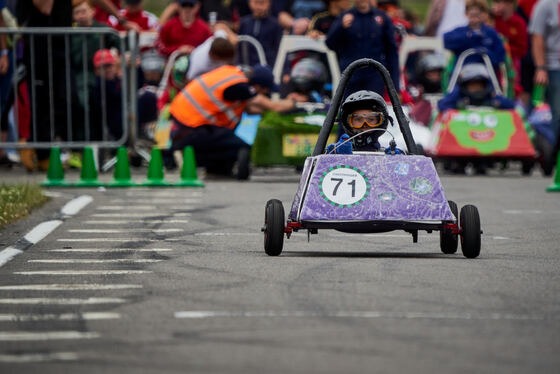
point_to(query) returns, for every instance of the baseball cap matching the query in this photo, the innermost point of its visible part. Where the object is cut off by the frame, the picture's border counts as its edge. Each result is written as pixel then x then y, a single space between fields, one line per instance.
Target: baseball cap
pixel 262 75
pixel 186 2
pixel 103 57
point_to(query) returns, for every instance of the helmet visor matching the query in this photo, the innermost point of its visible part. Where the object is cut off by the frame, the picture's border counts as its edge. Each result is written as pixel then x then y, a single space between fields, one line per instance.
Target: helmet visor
pixel 371 120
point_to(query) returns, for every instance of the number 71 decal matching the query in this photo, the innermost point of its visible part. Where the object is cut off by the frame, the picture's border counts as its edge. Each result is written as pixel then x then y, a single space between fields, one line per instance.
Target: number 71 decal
pixel 344 186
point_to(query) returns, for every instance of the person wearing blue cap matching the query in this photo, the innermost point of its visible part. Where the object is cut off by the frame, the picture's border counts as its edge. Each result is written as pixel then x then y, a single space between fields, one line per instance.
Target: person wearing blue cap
pixel 207 111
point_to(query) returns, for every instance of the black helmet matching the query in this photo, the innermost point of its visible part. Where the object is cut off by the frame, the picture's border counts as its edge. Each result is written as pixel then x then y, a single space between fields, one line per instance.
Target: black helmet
pixel 308 75
pixel 475 72
pixel 430 62
pixel 363 100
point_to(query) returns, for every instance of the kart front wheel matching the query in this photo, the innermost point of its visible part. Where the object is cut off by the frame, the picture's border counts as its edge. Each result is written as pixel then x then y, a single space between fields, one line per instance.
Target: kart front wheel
pixel 448 241
pixel 273 227
pixel 470 231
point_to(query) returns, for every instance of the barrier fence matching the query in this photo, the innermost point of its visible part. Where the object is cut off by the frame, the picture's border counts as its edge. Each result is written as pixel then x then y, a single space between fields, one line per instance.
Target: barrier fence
pixel 59 99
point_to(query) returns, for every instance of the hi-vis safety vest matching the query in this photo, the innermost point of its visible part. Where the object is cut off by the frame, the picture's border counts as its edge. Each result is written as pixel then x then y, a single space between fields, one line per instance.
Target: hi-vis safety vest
pixel 202 102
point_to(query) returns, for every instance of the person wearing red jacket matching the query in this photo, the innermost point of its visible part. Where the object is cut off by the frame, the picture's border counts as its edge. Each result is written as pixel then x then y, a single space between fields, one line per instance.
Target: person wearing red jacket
pixel 514 28
pixel 184 32
pixel 134 12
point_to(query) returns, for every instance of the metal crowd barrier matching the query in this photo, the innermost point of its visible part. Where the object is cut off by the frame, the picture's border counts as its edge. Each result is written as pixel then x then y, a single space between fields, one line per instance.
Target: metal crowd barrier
pixel 48 54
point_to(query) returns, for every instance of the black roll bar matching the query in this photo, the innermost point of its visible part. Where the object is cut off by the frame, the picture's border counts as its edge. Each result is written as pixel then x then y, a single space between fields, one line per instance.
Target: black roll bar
pixel 337 99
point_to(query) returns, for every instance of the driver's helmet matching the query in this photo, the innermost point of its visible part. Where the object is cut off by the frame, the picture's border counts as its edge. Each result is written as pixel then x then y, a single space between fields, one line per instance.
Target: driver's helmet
pixel 180 67
pixel 308 75
pixel 364 100
pixel 475 72
pixel 428 63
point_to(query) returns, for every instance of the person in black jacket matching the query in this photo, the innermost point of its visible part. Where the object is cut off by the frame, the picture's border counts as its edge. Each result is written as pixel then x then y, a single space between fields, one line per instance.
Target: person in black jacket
pixel 364 31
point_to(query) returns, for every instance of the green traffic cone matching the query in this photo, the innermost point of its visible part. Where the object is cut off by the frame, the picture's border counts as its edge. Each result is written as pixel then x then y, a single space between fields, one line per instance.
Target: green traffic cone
pixel 121 175
pixel 188 171
pixel 555 186
pixel 55 172
pixel 155 170
pixel 88 174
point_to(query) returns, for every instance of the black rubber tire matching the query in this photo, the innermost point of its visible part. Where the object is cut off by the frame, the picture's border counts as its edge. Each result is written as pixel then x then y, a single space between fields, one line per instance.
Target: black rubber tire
pixel 448 242
pixel 470 231
pixel 274 227
pixel 243 164
pixel 546 155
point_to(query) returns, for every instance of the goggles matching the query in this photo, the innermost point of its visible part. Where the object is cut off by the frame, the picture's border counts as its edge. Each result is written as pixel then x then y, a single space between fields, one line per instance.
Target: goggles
pixel 372 120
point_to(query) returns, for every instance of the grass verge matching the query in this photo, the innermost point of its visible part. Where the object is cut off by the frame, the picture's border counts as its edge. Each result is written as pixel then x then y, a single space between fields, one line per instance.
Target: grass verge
pixel 17 201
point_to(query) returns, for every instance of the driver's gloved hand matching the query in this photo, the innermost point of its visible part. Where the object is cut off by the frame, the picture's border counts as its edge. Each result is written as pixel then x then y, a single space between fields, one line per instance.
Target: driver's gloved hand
pixel 393 150
pixel 340 147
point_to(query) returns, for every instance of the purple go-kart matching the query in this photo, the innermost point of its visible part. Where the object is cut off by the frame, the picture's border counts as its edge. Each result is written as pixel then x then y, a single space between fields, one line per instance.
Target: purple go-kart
pixel 372 192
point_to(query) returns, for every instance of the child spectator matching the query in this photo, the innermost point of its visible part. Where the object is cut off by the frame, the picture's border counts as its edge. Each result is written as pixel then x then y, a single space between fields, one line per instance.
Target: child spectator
pixel 474 89
pixel 108 91
pixel 262 27
pixel 476 35
pixel 322 22
pixel 134 12
pixel 184 32
pixel 83 15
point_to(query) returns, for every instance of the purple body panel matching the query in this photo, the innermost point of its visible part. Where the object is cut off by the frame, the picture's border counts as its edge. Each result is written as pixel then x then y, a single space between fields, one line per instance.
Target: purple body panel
pixel 392 188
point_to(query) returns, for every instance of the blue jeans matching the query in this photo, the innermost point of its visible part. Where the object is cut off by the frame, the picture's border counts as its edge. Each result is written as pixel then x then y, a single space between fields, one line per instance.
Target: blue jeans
pixel 553 96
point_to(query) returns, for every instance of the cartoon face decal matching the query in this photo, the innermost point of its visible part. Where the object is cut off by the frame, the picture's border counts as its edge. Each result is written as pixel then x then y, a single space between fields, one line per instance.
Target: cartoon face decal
pixel 486 131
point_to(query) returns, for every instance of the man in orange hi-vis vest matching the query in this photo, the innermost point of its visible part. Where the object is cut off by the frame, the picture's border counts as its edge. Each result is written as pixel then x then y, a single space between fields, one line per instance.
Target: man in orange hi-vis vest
pixel 207 111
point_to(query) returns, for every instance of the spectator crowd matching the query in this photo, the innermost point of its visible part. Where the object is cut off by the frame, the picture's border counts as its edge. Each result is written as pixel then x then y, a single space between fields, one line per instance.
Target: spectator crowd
pixel 201 37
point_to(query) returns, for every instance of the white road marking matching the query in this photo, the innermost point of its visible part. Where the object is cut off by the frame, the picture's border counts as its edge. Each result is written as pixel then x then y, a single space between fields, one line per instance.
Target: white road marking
pixel 130 221
pixel 68 287
pixel 119 240
pixel 121 231
pixel 360 314
pixel 94 261
pixel 500 238
pixel 522 211
pixel 14 336
pixel 41 230
pixel 8 253
pixel 93 316
pixel 138 193
pixel 62 301
pixel 126 207
pixel 97 250
pixel 159 201
pixel 44 228
pixel 38 357
pixel 82 272
pixel 74 206
pixel 139 215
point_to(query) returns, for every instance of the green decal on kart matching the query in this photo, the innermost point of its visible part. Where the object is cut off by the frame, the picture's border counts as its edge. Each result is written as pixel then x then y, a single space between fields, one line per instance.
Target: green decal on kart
pixel 486 131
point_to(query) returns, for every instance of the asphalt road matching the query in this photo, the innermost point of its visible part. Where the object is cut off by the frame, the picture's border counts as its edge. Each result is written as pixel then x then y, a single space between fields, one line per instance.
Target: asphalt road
pixel 176 281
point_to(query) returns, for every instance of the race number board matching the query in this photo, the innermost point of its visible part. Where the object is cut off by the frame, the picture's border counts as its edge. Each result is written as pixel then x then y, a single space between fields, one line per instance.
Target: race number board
pixel 344 186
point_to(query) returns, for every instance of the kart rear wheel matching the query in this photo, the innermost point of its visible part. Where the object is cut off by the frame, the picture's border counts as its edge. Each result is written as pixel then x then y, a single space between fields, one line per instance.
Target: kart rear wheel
pixel 448 242
pixel 274 227
pixel 470 231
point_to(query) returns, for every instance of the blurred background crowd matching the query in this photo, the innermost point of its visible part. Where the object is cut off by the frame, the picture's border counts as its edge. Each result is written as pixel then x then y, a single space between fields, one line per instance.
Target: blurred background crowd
pixel 200 36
